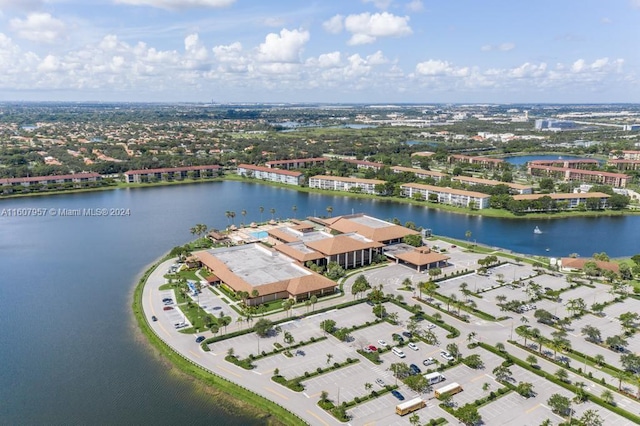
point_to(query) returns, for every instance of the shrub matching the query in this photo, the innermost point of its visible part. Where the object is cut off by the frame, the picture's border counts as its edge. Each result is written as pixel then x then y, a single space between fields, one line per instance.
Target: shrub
pixel 319 370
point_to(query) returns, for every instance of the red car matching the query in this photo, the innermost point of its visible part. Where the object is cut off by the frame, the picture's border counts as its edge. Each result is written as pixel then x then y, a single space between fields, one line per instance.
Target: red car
pixel 373 348
pixel 167 308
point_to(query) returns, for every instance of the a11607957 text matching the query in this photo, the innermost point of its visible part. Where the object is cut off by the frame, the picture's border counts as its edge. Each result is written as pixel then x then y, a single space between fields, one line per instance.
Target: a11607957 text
pixel 65 212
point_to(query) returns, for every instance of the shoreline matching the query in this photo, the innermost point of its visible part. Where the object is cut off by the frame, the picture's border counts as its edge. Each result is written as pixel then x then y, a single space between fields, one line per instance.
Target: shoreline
pixel 493 213
pixel 254 405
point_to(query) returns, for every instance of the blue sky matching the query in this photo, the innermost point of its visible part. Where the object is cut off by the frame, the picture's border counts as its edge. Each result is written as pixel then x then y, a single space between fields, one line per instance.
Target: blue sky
pixel 382 51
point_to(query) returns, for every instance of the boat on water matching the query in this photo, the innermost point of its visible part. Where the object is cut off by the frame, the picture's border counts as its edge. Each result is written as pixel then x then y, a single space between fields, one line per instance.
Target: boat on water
pixel 537 230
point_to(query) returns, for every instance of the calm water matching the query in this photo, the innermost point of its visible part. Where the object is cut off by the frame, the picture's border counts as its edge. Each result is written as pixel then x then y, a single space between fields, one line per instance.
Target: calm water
pixel 68 346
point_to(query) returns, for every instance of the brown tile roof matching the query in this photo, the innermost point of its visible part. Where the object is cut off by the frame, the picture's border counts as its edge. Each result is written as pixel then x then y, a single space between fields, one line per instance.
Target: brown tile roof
pixel 387 233
pixel 341 244
pixel 298 255
pixel 282 235
pixel 578 263
pixel 421 257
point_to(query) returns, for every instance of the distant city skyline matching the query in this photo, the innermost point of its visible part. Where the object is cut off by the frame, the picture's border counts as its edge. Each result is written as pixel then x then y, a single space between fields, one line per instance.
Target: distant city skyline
pixel 329 51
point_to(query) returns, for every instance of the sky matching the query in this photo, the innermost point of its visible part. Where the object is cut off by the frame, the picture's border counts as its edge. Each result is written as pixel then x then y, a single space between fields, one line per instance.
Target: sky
pixel 330 51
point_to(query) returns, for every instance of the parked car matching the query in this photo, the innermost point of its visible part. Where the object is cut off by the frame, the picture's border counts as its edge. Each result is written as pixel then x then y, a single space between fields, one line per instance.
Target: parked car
pixel 167 299
pixel 373 348
pixel 154 318
pixel 415 370
pixel 366 349
pixel 413 346
pixel 446 355
pixel 398 352
pixel 429 361
pixel 370 303
pixel 407 334
pixel 429 326
pixel 167 308
pixel 380 382
pixel 199 339
pixel 397 395
pixel 382 343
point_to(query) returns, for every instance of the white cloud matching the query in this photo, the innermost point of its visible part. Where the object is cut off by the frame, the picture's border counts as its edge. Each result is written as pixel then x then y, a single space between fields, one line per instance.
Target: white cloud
pixel 635 4
pixel 578 65
pixel 377 59
pixel 606 21
pixel 326 60
pixel 273 22
pixel 178 4
pixel 415 6
pixel 285 47
pixel 366 28
pixel 335 25
pixel 504 47
pixel 39 27
pixel 380 4
pixel 433 67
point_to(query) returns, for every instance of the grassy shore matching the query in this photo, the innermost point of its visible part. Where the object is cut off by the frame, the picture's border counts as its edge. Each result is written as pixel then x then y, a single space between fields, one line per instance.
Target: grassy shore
pixel 496 213
pixel 226 392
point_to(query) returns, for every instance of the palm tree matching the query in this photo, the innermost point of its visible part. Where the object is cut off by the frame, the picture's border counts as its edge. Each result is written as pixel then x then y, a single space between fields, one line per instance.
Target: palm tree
pixel 314 300
pixel 228 215
pixel 261 211
pixel 329 210
pixel 232 214
pixel 273 212
pixel 244 215
pixel 294 208
pixel 329 356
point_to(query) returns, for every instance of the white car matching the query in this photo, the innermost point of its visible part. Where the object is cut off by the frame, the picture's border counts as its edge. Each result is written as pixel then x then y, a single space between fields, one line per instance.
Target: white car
pixel 382 343
pixel 430 326
pixel 446 355
pixel 412 346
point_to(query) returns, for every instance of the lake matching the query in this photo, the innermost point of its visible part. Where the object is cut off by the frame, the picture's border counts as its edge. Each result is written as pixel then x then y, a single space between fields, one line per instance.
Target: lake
pixel 71 352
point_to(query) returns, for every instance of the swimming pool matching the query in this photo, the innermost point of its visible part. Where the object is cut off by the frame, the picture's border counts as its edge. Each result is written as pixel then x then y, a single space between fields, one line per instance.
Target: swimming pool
pixel 259 235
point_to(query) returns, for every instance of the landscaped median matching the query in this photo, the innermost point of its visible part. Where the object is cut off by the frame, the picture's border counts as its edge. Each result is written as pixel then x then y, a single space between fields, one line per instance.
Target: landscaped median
pixel 245 399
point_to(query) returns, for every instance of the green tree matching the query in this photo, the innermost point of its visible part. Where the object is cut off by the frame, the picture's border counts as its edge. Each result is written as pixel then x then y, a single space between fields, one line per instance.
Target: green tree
pixel 525 389
pixel 532 360
pixel 591 418
pixel 559 404
pixel 328 326
pixel 468 414
pixel 263 327
pixel 562 374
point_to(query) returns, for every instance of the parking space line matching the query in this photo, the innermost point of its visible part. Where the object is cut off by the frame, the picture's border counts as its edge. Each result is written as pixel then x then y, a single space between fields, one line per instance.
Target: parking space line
pixel 194 354
pixel 277 393
pixel 479 377
pixel 317 417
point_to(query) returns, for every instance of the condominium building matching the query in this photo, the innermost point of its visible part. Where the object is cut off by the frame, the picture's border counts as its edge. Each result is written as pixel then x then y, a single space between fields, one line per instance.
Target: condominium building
pixel 298 163
pixel 419 173
pixel 579 163
pixel 515 187
pixel 450 196
pixel 487 162
pixel 573 199
pixel 338 183
pixel 171 173
pixel 273 175
pixel 361 164
pixel 76 178
pixel 617 180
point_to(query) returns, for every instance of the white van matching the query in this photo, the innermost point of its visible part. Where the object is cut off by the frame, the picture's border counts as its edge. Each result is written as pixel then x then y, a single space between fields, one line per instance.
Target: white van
pixel 396 350
pixel 433 378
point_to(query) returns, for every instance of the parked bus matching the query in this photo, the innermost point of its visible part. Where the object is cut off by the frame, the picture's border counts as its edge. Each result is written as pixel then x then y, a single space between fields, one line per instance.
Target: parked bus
pixel 450 389
pixel 410 406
